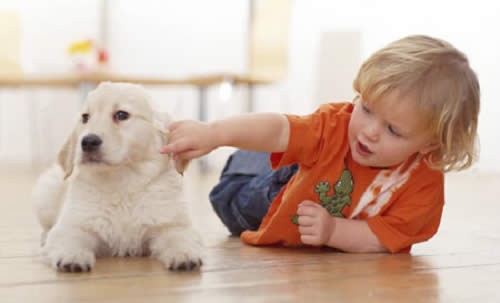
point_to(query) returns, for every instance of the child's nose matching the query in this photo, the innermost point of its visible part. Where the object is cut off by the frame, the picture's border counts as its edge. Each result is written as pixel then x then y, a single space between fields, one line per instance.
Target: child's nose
pixel 372 130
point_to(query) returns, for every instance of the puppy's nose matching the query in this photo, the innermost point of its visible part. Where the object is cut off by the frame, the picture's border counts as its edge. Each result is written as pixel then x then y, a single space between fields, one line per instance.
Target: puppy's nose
pixel 91 143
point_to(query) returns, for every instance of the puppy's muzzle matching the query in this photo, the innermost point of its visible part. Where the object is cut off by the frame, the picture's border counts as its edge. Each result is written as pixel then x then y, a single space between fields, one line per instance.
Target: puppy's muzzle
pixel 91 143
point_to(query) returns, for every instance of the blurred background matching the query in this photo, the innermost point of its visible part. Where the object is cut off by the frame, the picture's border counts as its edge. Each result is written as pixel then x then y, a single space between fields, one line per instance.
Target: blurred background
pixel 305 52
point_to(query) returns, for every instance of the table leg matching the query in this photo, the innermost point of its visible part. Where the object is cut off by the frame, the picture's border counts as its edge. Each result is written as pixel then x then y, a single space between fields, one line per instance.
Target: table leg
pixel 1 125
pixel 250 97
pixel 36 152
pixel 85 88
pixel 203 116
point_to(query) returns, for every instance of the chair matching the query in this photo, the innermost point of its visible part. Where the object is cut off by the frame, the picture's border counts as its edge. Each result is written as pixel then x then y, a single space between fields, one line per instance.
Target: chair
pixel 10 34
pixel 267 45
pixel 268 38
pixel 10 67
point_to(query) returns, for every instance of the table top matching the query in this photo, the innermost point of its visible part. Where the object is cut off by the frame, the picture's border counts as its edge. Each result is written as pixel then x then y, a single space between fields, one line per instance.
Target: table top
pixel 68 80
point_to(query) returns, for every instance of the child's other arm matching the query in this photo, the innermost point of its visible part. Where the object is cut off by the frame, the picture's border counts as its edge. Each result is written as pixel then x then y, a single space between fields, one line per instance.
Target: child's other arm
pixel 267 132
pixel 317 227
pixel 354 236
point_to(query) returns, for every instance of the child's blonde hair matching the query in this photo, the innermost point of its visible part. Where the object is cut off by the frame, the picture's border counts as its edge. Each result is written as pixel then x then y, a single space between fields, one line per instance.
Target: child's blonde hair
pixel 446 90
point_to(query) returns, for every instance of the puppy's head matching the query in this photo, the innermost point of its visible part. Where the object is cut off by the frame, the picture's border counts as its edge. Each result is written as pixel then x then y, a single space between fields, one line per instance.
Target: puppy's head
pixel 116 127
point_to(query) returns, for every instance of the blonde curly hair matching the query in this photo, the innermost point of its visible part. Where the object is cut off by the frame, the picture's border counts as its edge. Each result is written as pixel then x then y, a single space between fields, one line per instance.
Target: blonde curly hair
pixel 443 86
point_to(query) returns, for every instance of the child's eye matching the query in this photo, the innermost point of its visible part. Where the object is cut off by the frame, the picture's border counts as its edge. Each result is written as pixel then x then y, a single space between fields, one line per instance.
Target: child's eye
pixel 393 131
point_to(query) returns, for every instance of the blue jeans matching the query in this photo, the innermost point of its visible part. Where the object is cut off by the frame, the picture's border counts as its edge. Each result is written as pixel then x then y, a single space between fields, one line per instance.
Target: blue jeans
pixel 246 188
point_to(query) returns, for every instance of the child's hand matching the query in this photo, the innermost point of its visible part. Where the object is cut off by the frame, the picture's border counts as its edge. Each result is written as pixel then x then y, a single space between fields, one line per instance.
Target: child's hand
pixel 189 139
pixel 316 225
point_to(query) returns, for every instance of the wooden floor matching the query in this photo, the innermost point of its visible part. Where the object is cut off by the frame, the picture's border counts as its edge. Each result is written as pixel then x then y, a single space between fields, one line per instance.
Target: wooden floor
pixel 460 264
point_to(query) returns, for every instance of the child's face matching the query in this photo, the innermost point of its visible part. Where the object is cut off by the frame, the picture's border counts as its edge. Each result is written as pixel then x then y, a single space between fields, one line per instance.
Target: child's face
pixel 388 133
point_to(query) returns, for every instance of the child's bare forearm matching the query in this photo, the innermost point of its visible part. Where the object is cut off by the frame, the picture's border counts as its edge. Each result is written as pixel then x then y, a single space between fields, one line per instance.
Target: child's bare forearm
pixel 190 139
pixel 355 236
pixel 267 132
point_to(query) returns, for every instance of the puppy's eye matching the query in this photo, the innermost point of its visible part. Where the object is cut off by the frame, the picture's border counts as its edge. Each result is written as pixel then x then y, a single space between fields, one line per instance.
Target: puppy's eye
pixel 121 115
pixel 85 118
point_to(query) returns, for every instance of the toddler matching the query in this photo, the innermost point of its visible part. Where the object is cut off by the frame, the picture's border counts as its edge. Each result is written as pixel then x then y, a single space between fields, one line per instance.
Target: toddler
pixel 361 176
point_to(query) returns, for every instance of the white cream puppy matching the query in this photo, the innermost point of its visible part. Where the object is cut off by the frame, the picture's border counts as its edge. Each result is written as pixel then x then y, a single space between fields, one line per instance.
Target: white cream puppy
pixel 111 193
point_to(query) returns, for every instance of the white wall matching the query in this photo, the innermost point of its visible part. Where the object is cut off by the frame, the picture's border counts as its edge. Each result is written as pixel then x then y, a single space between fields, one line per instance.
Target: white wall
pixel 470 26
pixel 180 38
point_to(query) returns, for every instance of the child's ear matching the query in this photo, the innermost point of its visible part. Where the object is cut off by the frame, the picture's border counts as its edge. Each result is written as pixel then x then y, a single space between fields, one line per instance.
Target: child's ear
pixel 429 147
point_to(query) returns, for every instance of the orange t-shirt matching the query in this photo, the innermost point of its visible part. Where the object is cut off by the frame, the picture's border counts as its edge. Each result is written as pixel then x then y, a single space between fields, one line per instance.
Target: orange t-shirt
pixel 402 204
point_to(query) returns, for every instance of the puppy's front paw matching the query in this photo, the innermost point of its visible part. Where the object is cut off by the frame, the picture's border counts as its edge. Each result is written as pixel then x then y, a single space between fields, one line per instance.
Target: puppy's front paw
pixel 73 267
pixel 71 261
pixel 182 255
pixel 179 249
pixel 177 260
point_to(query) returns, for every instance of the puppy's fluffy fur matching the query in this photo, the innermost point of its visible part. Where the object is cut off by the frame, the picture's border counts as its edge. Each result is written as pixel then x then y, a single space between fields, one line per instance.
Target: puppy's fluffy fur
pixel 116 195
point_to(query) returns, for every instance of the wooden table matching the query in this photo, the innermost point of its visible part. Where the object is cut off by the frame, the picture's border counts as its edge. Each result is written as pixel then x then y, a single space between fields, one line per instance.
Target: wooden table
pixel 84 81
pixel 65 80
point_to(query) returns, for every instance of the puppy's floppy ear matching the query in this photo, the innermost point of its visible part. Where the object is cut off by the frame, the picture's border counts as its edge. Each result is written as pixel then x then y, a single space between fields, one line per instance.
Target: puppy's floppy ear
pixel 161 121
pixel 66 156
pixel 181 165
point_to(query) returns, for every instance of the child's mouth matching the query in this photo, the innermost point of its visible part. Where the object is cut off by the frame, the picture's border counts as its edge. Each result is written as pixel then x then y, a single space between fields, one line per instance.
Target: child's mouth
pixel 363 150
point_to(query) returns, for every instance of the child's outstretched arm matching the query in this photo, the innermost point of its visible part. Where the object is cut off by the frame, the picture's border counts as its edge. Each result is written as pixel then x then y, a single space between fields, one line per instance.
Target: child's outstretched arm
pixel 190 139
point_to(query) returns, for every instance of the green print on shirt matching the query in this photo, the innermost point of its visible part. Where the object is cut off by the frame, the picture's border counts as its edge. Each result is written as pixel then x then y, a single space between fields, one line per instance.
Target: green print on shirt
pixel 335 203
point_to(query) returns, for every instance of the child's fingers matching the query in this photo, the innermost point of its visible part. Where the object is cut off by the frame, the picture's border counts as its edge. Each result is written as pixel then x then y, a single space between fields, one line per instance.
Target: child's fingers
pixel 308 203
pixel 306 230
pixel 305 210
pixel 167 149
pixel 170 148
pixel 190 154
pixel 309 239
pixel 308 208
pixel 174 125
pixel 173 136
pixel 305 220
pixel 177 147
